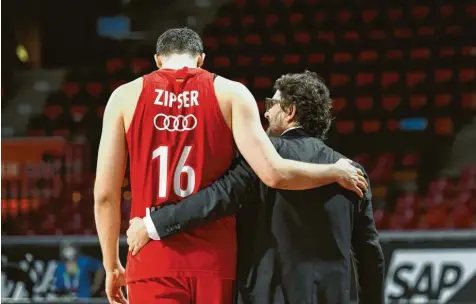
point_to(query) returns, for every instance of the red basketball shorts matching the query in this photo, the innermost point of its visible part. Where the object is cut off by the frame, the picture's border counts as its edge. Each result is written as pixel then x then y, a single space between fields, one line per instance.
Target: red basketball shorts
pixel 181 290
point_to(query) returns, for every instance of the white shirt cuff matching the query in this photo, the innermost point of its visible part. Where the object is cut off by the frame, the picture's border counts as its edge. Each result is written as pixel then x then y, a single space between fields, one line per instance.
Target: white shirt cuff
pixel 149 225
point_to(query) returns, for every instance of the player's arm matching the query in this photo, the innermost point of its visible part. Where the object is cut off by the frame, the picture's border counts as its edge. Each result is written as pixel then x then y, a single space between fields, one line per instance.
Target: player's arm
pixel 110 171
pixel 271 168
pixel 237 187
pixel 368 255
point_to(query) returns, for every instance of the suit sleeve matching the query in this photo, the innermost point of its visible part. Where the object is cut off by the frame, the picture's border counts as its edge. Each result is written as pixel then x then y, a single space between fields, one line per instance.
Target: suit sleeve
pixel 368 255
pixel 222 198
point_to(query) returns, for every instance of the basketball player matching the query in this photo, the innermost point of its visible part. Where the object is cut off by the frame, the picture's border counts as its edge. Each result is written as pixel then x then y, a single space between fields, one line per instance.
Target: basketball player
pixel 179 125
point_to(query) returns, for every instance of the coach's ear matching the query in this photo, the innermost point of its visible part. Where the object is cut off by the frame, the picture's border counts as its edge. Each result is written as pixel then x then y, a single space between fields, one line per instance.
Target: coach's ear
pixel 290 114
pixel 200 60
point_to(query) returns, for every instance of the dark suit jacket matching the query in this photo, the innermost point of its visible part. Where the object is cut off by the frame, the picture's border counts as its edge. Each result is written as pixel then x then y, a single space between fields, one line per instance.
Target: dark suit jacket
pixel 294 246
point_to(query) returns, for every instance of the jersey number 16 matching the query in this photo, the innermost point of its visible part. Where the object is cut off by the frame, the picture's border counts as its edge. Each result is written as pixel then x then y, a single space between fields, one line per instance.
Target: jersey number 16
pixel 162 153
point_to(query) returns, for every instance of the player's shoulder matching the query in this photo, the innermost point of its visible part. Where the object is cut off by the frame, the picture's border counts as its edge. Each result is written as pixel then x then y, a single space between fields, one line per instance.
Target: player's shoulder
pixel 127 92
pixel 227 86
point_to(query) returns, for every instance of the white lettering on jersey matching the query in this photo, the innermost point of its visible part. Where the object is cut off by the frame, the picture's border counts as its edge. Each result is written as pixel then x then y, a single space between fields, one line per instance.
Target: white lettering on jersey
pixel 185 99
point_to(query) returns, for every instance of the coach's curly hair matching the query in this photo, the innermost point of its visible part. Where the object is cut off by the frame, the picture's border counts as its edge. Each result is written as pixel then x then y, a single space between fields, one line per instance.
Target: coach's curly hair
pixel 308 92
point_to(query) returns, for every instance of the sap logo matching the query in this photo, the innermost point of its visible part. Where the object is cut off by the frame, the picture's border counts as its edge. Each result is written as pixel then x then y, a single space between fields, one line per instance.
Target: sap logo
pixel 428 275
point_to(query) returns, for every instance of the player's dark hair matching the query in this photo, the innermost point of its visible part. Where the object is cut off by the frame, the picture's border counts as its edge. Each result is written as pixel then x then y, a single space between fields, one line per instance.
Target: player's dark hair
pixel 308 92
pixel 179 41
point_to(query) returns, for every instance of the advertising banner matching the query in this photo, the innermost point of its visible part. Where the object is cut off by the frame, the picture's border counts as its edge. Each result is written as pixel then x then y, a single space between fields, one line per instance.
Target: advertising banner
pixel 421 267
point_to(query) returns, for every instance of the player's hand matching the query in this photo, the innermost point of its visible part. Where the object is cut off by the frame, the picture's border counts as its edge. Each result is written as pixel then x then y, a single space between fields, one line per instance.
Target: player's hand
pixel 137 235
pixel 115 279
pixel 350 177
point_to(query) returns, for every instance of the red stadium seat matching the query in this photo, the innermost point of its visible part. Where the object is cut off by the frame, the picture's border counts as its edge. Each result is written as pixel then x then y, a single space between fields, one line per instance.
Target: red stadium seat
pixel 316 58
pixel 222 21
pixel 351 35
pixel 421 53
pixel 390 103
pixel 262 82
pixel 469 101
pixel 418 101
pixel 443 100
pixel 467 75
pixel 94 89
pixel 364 79
pixel 371 126
pixel 339 80
pixel 244 61
pixel 302 38
pixel 426 31
pixel 329 37
pixel 410 160
pixel 291 59
pixel 71 88
pixel 446 10
pixel 367 56
pixel 383 168
pixel 344 16
pixel 53 111
pixel 392 125
pixel 278 39
pixel 264 3
pixel 394 14
pixel 402 33
pixel 369 15
pixel 443 75
pixel 115 84
pixel 230 40
pixel 221 62
pixel 340 57
pixel 339 104
pixel 210 42
pixel 376 34
pixel 364 103
pixel 267 59
pixel 252 39
pixel 394 54
pixel 140 65
pixel 444 126
pixel 454 30
pixel 414 77
pixel 114 65
pixel 345 126
pixel 389 78
pixel 296 18
pixel 471 10
pixel 320 17
pixel 271 20
pixel 446 52
pixel 420 12
pixel 247 20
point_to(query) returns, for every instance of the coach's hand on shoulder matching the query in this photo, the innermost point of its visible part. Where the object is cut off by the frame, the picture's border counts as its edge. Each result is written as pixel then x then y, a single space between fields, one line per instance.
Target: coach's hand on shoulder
pixel 350 177
pixel 115 279
pixel 137 235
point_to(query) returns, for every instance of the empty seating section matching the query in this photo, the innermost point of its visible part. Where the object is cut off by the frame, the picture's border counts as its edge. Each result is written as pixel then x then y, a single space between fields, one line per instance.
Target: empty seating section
pixel 402 75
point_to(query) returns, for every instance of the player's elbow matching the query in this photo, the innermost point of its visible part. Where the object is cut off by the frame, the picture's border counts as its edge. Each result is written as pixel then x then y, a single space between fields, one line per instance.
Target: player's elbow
pixel 273 178
pixel 102 197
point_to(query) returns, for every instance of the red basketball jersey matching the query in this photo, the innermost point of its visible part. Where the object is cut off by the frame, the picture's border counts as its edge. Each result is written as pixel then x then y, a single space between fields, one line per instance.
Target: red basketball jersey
pixel 179 143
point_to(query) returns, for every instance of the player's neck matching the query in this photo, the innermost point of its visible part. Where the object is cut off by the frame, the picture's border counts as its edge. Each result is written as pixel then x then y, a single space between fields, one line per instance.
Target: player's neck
pixel 177 62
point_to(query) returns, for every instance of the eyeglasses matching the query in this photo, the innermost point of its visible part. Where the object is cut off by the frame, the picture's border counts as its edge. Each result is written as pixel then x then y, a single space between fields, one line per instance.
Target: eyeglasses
pixel 270 102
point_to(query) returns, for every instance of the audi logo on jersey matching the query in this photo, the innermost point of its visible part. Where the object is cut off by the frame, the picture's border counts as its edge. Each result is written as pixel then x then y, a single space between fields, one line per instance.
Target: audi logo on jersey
pixel 172 123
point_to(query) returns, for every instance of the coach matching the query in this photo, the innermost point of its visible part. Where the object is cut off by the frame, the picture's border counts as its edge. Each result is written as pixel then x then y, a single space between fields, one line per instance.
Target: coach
pixel 294 246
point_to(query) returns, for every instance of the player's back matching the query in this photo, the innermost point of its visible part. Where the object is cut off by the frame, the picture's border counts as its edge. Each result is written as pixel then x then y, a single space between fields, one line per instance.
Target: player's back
pixel 178 143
